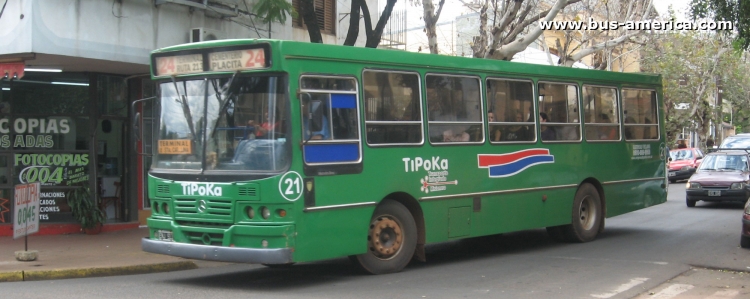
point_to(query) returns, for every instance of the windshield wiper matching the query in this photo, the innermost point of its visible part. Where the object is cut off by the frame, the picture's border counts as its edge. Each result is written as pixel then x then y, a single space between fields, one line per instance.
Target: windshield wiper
pixel 182 99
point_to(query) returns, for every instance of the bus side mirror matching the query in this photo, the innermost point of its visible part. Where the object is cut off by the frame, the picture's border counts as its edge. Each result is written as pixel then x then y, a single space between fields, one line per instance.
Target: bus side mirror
pixel 137 126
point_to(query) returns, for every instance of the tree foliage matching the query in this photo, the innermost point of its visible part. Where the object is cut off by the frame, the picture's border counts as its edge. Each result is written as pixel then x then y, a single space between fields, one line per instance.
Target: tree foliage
pixel 735 11
pixel 690 63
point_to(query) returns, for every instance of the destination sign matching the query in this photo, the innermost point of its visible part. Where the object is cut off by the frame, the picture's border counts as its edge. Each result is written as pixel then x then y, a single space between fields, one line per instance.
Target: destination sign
pixel 175 147
pixel 176 65
pixel 237 60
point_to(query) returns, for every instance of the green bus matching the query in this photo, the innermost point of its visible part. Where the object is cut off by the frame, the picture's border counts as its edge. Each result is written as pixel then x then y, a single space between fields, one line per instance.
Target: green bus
pixel 278 152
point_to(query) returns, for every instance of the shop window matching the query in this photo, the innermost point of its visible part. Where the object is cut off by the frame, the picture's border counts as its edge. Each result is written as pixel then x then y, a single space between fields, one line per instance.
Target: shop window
pixel 111 95
pixel 62 94
pixel 4 97
pixel 325 12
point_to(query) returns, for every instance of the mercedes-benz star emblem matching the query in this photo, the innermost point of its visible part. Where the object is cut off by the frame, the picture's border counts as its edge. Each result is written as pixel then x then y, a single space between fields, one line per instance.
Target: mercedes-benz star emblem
pixel 202 206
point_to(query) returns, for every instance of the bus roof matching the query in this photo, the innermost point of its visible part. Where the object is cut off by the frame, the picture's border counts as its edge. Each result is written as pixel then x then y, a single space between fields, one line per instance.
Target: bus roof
pixel 390 58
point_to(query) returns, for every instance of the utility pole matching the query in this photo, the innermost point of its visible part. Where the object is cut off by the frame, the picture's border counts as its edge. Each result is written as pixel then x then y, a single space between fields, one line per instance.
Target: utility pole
pixel 719 92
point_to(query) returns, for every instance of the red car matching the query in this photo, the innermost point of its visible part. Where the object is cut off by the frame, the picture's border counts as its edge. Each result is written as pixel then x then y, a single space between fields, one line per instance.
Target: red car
pixel 684 162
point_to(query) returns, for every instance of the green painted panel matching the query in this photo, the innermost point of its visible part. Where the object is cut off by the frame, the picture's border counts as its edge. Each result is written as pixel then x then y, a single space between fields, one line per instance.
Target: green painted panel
pixel 459 222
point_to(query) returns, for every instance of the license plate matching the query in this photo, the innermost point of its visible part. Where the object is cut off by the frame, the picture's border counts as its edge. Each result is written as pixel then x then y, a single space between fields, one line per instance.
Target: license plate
pixel 714 193
pixel 164 235
pixel 672 173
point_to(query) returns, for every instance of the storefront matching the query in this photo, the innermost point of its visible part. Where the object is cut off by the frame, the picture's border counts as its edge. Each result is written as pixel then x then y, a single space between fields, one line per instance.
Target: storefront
pixel 67 131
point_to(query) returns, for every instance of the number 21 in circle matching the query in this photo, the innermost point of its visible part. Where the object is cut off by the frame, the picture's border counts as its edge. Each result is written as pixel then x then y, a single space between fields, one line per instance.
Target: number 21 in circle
pixel 290 186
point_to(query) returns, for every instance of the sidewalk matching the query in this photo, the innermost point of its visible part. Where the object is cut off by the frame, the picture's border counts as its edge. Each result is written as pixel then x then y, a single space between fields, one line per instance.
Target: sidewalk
pixel 81 255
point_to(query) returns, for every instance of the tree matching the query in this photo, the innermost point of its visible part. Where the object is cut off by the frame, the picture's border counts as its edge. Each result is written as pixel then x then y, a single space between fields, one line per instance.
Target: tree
pixel 735 11
pixel 690 63
pixel 508 27
pixel 307 11
pixel 431 17
pixel 606 42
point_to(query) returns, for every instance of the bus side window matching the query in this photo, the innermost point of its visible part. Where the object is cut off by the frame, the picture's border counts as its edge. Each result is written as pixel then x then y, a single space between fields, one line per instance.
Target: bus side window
pixel 560 102
pixel 639 108
pixel 511 104
pixel 601 113
pixel 393 107
pixel 455 108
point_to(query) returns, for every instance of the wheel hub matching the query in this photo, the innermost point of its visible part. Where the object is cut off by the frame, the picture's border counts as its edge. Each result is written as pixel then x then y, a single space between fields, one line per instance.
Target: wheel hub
pixel 587 213
pixel 385 237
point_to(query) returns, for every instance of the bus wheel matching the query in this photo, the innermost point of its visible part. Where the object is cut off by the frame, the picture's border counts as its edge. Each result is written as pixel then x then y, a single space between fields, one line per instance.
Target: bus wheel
pixel 391 239
pixel 587 215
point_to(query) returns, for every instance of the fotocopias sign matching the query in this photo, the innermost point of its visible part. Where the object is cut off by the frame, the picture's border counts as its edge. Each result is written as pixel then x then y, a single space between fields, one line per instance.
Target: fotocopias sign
pixel 26 207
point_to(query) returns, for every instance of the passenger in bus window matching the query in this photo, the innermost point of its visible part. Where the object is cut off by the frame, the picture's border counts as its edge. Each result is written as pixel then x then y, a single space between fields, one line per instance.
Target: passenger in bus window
pixel 516 132
pixel 607 132
pixel 323 134
pixel 261 131
pixel 629 134
pixel 495 132
pixel 449 136
pixel 548 133
pixel 249 130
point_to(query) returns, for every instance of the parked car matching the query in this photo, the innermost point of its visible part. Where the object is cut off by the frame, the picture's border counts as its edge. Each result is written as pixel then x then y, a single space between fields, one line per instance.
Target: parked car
pixel 739 141
pixel 721 176
pixel 684 162
pixel 745 238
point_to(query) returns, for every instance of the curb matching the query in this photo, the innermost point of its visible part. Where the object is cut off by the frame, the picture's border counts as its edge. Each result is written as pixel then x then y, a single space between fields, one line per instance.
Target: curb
pixel 95 272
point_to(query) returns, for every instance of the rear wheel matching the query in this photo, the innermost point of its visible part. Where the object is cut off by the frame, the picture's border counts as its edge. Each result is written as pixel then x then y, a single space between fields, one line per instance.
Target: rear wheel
pixel 587 215
pixel 690 203
pixel 745 242
pixel 391 239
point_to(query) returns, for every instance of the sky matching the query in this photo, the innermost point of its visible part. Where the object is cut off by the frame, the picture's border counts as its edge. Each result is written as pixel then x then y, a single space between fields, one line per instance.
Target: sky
pixel 680 7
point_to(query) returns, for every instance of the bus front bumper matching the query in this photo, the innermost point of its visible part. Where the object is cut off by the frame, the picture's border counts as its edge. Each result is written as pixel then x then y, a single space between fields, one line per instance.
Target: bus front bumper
pixel 219 253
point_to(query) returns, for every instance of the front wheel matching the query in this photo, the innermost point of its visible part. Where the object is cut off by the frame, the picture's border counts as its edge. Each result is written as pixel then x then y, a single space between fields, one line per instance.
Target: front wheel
pixel 391 239
pixel 587 215
pixel 690 203
pixel 745 242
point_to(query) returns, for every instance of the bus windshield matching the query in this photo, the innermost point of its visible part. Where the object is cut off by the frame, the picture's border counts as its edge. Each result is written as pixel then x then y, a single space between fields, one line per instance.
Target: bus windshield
pixel 223 124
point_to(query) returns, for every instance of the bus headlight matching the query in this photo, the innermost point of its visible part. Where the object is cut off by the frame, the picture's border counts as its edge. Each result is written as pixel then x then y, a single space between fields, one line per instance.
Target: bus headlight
pixel 250 212
pixel 693 185
pixel 736 186
pixel 165 208
pixel 265 212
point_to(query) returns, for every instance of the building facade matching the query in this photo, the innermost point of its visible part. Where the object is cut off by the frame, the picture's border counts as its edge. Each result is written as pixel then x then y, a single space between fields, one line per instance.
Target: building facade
pixel 71 70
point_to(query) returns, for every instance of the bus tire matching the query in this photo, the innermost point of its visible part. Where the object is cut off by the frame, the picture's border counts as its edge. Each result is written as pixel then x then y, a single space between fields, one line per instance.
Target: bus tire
pixel 391 239
pixel 587 215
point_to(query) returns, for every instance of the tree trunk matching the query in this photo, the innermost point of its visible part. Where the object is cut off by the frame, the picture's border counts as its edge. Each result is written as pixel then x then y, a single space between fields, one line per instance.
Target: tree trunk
pixel 373 38
pixel 311 20
pixel 353 33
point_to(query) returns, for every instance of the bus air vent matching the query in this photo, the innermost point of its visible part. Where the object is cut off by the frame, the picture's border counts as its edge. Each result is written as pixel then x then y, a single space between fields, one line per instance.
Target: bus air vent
pixel 248 191
pixel 162 189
